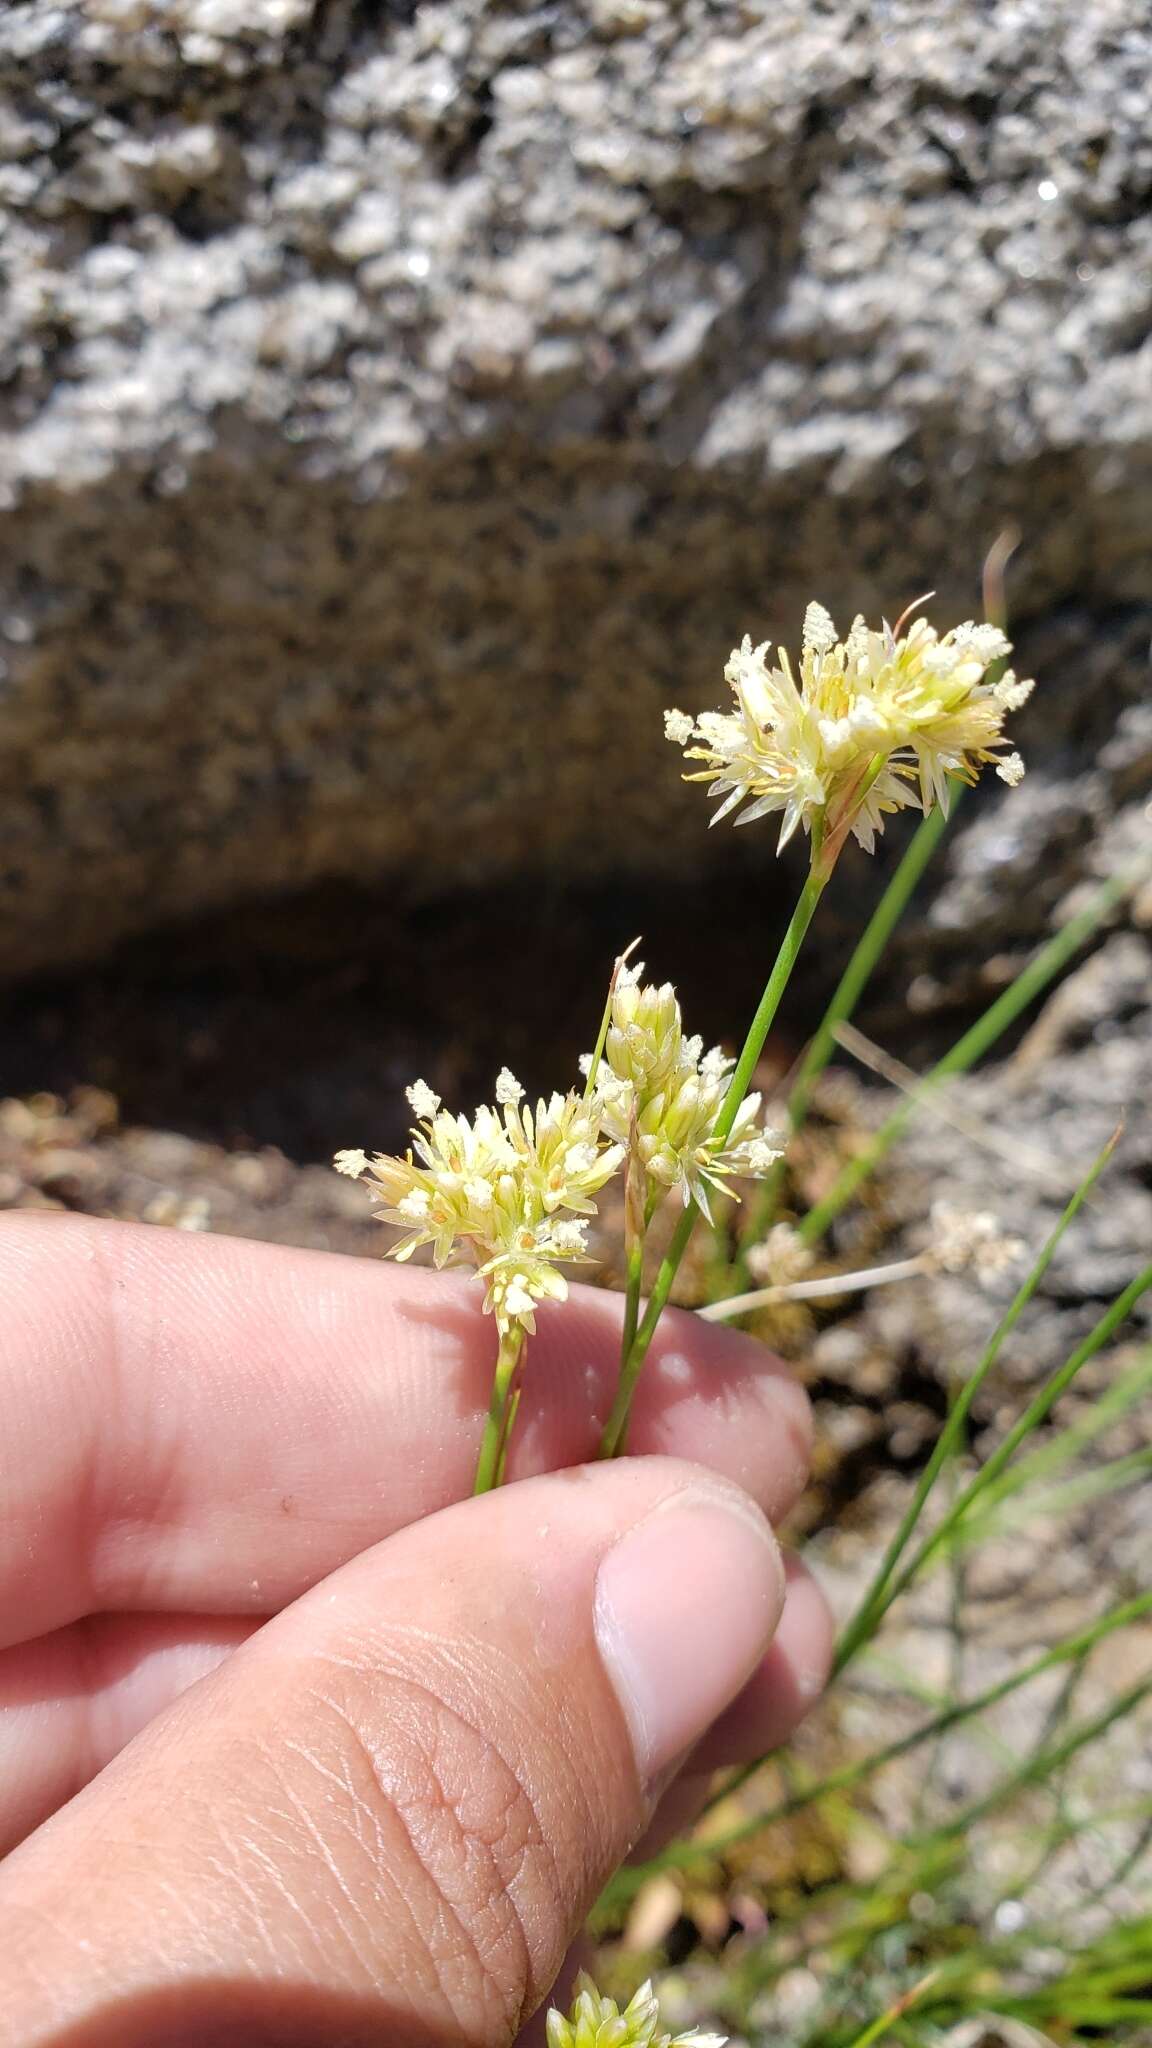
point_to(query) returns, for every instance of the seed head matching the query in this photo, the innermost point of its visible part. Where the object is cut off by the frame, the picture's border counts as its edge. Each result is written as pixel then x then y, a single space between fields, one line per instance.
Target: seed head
pixel 597 2022
pixel 874 724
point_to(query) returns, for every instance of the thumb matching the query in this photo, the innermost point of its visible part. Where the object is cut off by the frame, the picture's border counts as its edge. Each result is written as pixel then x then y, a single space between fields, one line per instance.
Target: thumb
pixel 384 1818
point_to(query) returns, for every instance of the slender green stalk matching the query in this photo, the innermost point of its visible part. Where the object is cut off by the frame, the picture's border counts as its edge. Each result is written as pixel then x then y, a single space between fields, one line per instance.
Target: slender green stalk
pixel 1060 1499
pixel 632 1294
pixel 511 1410
pixel 1051 1458
pixel 1069 1650
pixel 874 1604
pixel 612 1443
pixel 1039 1768
pixel 1035 1413
pixel 865 958
pixel 887 2020
pixel 770 1001
pixel 493 1442
pixel 976 1041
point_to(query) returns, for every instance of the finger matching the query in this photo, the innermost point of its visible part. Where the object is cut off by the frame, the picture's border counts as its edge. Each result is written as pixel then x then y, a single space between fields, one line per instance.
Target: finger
pixel 782 1690
pixel 785 1685
pixel 207 1424
pixel 399 1798
pixel 71 1700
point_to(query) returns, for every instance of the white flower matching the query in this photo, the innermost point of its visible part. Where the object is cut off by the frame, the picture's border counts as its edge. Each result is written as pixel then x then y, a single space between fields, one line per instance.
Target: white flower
pixel 660 1096
pixel 782 1258
pixel 973 1240
pixel 819 632
pixel 874 724
pixel 508 1089
pixel 598 2022
pixel 351 1162
pixel 1011 691
pixel 504 1190
pixel 1010 770
pixel 423 1100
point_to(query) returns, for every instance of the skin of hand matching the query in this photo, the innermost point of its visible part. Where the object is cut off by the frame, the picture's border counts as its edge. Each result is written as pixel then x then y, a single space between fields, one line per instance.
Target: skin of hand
pixel 299 1745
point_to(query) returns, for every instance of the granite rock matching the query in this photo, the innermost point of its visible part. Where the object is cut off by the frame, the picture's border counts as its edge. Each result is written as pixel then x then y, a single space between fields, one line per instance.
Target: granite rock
pixel 400 403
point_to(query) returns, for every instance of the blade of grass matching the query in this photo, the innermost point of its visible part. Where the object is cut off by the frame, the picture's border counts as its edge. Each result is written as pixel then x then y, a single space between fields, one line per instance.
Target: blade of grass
pixel 1033 1416
pixel 1010 1512
pixel 896 2011
pixel 1040 971
pixel 849 1775
pixel 1055 1456
pixel 1036 1769
pixel 875 1601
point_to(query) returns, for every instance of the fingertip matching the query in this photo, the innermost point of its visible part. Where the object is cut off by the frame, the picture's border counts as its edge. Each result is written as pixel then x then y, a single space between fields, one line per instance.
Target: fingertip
pixel 787 1682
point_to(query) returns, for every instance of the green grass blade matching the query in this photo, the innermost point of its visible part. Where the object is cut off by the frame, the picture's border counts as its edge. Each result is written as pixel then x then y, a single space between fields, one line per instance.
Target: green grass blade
pixel 1054 1457
pixel 976 1041
pixel 1040 1767
pixel 1033 1416
pixel 849 1775
pixel 875 1603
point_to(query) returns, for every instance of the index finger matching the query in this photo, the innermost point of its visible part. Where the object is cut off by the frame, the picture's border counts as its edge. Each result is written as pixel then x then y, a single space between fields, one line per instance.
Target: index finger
pixel 211 1425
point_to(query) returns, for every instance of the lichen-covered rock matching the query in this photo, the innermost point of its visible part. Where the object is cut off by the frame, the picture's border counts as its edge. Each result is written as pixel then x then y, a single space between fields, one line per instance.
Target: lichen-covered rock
pixel 401 403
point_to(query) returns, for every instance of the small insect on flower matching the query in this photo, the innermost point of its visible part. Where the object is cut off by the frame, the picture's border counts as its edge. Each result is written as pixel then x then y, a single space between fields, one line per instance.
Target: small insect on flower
pixel 598 2022
pixel 491 1191
pixel 876 722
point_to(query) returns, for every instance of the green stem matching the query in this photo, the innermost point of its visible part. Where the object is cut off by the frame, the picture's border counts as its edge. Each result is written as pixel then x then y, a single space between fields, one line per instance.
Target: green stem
pixel 613 1440
pixel 851 986
pixel 612 1443
pixel 632 1300
pixel 1068 1651
pixel 979 1039
pixel 511 1409
pixel 493 1440
pixel 1039 1769
pixel 1035 1413
pixel 769 1003
pixel 875 1604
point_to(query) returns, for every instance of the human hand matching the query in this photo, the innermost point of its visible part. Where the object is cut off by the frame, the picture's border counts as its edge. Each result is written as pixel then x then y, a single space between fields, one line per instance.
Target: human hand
pixel 293 1749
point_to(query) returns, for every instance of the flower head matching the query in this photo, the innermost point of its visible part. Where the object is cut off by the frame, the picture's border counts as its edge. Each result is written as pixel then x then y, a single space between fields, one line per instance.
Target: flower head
pixel 598 2022
pixel 971 1240
pixel 875 722
pixel 659 1096
pixel 493 1190
pixel 782 1257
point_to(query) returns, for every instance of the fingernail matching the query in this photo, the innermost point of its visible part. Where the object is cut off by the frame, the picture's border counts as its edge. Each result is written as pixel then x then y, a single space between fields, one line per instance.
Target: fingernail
pixel 686 1604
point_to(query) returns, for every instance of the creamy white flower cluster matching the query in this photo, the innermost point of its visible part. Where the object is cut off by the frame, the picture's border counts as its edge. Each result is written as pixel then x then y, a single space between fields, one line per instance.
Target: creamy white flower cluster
pixel 659 1096
pixel 506 1190
pixel 971 1240
pixel 597 2022
pixel 876 722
